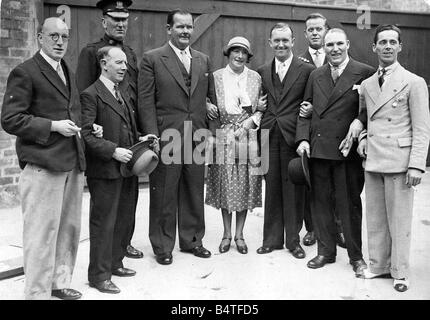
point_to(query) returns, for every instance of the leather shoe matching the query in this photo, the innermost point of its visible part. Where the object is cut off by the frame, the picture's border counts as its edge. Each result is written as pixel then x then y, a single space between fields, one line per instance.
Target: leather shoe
pixel 264 250
pixel 133 253
pixel 358 266
pixel 401 285
pixel 66 294
pixel 105 286
pixel 309 239
pixel 224 246
pixel 164 259
pixel 319 261
pixel 123 272
pixel 241 245
pixel 340 240
pixel 298 252
pixel 199 251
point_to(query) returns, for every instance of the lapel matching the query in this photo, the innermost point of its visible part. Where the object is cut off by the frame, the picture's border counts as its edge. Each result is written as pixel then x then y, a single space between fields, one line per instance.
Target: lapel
pixel 170 60
pixel 325 81
pixel 291 76
pixel 109 99
pixel 392 87
pixel 51 75
pixel 372 88
pixel 132 118
pixel 348 78
pixel 267 75
pixel 308 56
pixel 196 66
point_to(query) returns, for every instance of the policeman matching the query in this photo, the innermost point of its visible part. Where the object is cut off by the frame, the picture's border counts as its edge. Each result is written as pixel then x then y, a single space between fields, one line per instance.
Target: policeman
pixel 115 24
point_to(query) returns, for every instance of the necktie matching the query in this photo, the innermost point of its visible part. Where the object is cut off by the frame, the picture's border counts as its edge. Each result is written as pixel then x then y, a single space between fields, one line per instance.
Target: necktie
pixel 335 74
pixel 61 73
pixel 118 94
pixel 281 71
pixel 317 60
pixel 185 60
pixel 381 79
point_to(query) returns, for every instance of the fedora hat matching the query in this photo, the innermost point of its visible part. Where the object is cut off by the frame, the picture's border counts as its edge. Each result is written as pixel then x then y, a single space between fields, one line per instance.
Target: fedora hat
pixel 144 160
pixel 298 170
pixel 238 42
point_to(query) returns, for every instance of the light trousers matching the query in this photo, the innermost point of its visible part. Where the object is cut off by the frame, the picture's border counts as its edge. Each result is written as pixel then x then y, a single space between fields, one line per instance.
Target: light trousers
pixel 51 205
pixel 389 206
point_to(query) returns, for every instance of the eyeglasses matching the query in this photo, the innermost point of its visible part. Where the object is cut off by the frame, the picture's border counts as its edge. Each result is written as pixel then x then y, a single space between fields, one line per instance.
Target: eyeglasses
pixel 56 36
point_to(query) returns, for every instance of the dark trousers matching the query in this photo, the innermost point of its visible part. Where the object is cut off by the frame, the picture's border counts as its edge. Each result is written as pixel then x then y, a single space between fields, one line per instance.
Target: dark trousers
pixel 337 184
pixel 176 196
pixel 113 208
pixel 284 201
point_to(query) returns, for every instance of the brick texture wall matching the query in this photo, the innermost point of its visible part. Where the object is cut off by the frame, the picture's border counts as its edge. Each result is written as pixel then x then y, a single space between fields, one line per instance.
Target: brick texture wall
pixel 18 25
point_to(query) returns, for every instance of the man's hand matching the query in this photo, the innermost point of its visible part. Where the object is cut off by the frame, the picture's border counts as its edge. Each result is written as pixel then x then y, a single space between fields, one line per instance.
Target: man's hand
pixel 65 127
pixel 211 110
pixel 355 129
pixel 362 148
pixel 304 147
pixel 97 131
pixel 305 109
pixel 249 124
pixel 155 144
pixel 262 103
pixel 122 155
pixel 413 177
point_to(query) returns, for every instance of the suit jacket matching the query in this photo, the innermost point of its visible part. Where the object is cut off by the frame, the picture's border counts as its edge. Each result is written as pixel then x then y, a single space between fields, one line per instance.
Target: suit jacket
pixel 100 106
pixel 285 110
pixel 88 70
pixel 334 108
pixel 398 122
pixel 306 57
pixel 34 97
pixel 165 101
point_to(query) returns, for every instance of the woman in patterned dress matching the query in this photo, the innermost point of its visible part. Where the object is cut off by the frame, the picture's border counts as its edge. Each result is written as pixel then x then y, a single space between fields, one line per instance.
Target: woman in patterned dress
pixel 233 181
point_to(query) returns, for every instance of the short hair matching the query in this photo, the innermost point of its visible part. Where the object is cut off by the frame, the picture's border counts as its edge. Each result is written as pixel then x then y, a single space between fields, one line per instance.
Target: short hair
pixel 229 50
pixel 172 13
pixel 281 25
pixel 336 30
pixel 317 15
pixel 103 52
pixel 385 27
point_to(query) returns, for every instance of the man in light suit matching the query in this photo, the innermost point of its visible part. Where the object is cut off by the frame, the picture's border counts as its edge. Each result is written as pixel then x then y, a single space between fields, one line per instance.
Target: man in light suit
pixel 41 107
pixel 284 79
pixel 394 105
pixel 332 91
pixel 174 84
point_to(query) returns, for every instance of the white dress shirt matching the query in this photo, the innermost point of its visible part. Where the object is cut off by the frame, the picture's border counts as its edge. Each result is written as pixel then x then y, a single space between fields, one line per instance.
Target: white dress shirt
pixel 178 51
pixel 109 84
pixel 388 71
pixel 287 64
pixel 321 55
pixel 340 67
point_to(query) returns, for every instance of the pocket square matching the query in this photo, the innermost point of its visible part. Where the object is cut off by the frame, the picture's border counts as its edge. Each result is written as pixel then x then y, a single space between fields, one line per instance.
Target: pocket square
pixel 356 87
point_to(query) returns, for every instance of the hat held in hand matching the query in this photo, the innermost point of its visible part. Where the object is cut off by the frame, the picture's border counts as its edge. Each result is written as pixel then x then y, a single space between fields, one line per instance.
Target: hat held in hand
pixel 298 170
pixel 144 160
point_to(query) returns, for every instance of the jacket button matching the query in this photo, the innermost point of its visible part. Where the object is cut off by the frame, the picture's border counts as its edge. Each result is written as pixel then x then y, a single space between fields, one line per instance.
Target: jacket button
pixel 319 135
pixel 389 119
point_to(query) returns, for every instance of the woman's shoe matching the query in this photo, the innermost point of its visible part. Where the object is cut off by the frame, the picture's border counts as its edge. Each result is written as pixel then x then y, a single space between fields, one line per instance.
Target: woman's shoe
pixel 241 245
pixel 224 245
pixel 401 285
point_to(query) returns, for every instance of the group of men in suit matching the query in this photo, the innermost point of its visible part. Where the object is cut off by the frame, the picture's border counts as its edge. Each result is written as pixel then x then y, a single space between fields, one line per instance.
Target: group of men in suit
pixel 314 109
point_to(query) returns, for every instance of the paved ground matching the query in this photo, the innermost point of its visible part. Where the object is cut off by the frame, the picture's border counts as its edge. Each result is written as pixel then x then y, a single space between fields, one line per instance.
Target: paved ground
pixel 232 275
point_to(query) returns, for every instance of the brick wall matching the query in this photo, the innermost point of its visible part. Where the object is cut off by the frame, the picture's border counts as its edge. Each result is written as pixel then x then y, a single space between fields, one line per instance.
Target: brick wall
pixel 18 25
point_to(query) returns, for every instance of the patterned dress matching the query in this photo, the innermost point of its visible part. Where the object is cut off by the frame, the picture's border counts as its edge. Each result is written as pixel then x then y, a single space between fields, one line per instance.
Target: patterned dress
pixel 233 184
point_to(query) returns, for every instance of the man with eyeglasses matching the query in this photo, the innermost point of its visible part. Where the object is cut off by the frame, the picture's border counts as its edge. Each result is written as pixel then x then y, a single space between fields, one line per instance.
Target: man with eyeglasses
pixel 41 107
pixel 115 24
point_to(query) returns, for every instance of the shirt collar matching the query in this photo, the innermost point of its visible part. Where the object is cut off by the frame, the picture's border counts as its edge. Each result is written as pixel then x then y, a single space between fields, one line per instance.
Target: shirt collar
pixel 111 41
pixel 243 73
pixel 53 63
pixel 389 69
pixel 312 51
pixel 287 63
pixel 342 65
pixel 108 83
pixel 178 51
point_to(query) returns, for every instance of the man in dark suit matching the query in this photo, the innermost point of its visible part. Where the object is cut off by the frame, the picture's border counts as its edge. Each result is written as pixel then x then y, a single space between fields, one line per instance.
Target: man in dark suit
pixel 113 196
pixel 284 80
pixel 174 83
pixel 332 90
pixel 316 27
pixel 41 107
pixel 115 24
